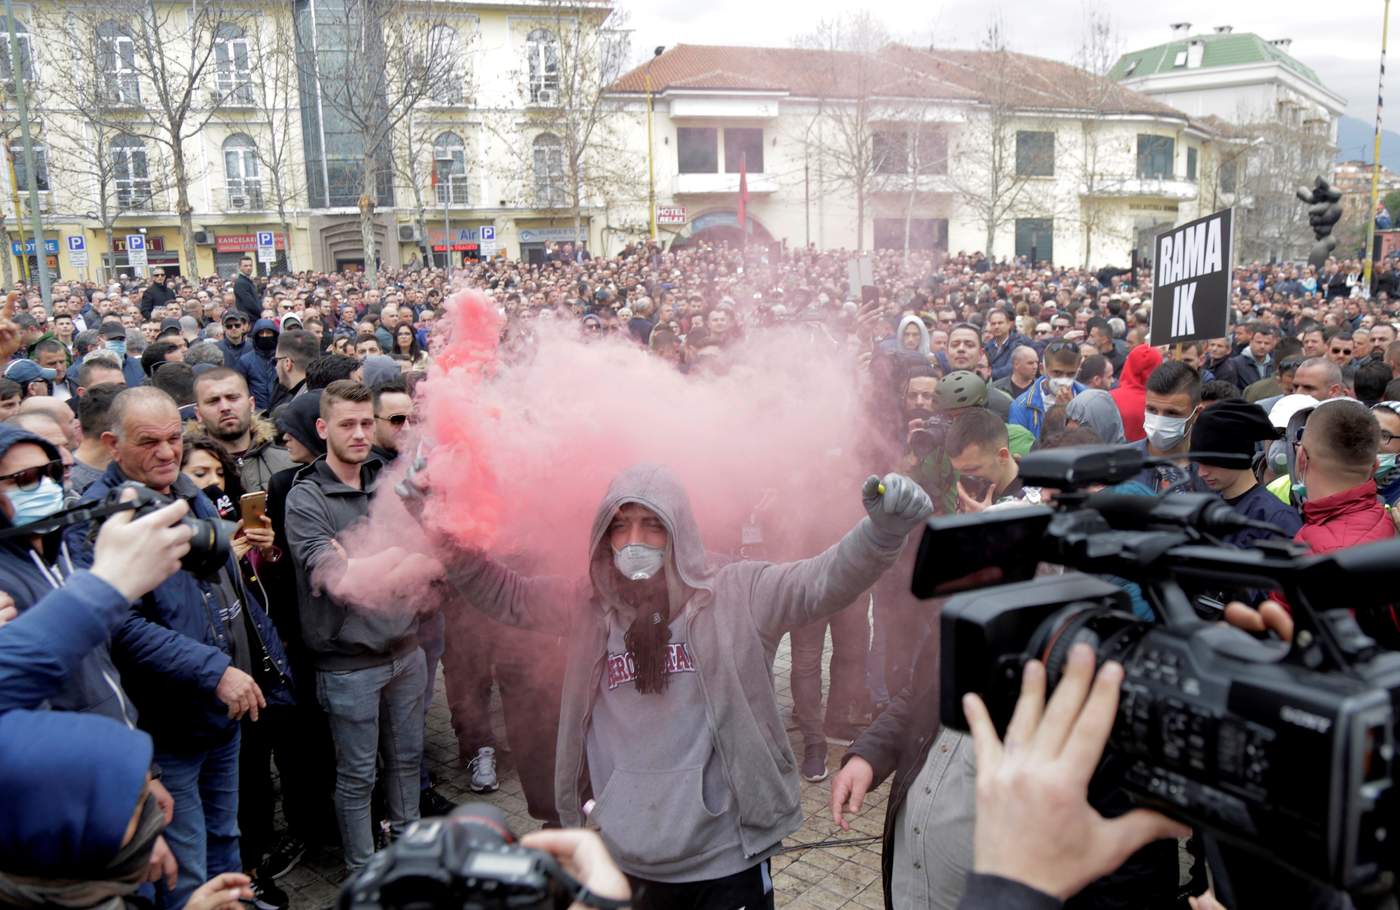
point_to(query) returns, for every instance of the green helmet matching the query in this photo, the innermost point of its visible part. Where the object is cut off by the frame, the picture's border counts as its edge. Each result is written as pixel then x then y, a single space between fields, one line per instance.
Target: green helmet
pixel 961 389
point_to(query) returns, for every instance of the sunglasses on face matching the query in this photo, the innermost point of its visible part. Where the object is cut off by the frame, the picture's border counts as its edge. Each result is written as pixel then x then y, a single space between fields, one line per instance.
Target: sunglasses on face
pixel 399 420
pixel 29 478
pixel 1343 351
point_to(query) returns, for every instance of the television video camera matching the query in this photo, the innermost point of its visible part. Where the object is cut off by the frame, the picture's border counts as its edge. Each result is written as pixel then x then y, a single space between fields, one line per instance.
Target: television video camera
pixel 1288 751
pixel 468 860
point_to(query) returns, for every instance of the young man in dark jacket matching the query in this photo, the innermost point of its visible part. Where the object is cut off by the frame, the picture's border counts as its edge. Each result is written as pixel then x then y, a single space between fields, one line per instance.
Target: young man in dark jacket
pixel 259 366
pixel 370 670
pixel 668 717
pixel 196 655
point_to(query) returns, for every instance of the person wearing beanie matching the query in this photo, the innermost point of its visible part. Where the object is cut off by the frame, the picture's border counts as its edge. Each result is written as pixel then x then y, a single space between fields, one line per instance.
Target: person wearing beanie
pixel 1223 443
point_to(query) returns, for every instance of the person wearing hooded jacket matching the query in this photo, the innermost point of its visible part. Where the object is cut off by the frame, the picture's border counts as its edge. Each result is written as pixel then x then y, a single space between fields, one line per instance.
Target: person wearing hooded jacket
pixel 670 739
pixel 259 366
pixel 1131 393
pixel 1095 409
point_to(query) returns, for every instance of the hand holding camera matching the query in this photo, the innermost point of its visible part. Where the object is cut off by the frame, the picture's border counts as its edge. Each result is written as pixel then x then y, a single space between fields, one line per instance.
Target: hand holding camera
pixel 134 555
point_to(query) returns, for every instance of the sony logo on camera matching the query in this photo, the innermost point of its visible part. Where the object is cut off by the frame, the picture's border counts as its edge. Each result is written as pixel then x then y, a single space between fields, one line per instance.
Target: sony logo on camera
pixel 1307 720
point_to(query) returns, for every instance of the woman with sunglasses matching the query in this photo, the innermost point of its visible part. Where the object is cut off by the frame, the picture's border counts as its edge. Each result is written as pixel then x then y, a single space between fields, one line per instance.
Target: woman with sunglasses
pixel 408 351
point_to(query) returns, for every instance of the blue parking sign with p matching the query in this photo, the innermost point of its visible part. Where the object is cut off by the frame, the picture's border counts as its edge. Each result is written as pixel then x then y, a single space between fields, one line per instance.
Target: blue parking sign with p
pixel 488 232
pixel 264 238
pixel 77 244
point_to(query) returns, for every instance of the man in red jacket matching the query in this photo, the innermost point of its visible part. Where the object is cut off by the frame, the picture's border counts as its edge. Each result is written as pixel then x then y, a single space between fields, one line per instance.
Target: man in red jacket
pixel 1336 465
pixel 1131 394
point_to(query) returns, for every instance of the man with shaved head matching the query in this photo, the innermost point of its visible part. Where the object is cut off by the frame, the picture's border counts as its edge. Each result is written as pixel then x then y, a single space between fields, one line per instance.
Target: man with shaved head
pixel 1319 377
pixel 187 657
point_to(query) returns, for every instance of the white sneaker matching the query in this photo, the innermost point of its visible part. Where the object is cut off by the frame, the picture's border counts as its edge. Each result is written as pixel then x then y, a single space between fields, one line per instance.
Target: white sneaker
pixel 483 769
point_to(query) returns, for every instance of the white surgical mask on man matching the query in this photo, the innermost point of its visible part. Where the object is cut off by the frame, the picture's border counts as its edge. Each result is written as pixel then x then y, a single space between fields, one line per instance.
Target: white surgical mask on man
pixel 1165 433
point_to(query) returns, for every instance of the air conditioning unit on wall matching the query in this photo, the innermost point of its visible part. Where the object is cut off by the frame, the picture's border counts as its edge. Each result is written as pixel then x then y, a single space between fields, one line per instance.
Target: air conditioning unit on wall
pixel 408 233
pixel 204 238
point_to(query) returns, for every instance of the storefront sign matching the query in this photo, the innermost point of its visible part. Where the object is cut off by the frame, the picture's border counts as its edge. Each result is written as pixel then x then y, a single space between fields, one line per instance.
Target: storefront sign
pixel 460 235
pixel 670 214
pixel 543 235
pixel 244 243
pixel 27 248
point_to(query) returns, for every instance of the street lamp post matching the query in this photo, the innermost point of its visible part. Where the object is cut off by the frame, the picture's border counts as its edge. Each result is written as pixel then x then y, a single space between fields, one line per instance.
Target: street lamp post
pixel 651 158
pixel 22 102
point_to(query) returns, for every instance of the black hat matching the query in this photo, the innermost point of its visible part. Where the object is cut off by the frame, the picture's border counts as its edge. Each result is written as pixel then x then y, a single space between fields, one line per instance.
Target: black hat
pixel 167 327
pixel 235 316
pixel 1226 432
pixel 113 330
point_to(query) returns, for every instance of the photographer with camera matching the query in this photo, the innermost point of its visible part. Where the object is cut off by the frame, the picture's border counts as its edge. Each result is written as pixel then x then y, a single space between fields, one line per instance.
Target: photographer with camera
pixel 669 717
pixel 197 652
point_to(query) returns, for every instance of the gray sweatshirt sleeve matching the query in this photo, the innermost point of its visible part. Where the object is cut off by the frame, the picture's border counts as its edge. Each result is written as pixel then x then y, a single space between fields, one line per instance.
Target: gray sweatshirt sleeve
pixel 786 595
pixel 541 603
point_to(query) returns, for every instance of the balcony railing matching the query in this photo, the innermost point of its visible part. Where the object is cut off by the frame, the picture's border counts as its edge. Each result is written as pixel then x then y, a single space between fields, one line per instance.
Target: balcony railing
pixel 697 184
pixel 1175 188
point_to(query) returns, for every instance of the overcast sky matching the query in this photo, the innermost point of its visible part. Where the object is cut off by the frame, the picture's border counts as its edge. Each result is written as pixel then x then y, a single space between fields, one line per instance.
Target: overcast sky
pixel 1344 48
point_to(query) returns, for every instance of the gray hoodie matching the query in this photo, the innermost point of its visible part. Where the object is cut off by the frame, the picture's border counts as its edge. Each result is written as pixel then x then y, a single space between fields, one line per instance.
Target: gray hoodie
pixel 1096 409
pixel 338 635
pixel 734 794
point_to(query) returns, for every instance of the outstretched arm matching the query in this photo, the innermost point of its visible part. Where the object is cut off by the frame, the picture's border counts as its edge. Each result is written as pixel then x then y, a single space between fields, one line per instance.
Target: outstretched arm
pixel 541 603
pixel 786 595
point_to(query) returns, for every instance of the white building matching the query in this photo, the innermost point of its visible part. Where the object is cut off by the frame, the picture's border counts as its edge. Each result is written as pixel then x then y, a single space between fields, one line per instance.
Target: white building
pixel 961 150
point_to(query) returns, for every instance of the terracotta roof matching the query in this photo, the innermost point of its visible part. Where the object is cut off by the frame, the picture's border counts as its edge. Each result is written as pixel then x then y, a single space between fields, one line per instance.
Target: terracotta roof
pixel 897 71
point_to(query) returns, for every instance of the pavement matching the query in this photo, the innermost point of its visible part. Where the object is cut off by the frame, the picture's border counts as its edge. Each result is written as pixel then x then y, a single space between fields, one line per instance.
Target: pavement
pixel 817 878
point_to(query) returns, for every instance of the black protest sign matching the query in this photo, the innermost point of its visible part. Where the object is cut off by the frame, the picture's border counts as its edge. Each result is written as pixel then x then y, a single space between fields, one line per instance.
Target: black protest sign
pixel 1191 280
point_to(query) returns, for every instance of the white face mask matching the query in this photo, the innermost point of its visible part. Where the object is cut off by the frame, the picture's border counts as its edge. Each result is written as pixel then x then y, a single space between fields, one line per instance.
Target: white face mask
pixel 1060 383
pixel 1165 433
pixel 638 562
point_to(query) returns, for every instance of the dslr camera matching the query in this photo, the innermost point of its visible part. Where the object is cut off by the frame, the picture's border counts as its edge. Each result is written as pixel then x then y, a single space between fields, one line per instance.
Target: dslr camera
pixel 1286 750
pixel 468 860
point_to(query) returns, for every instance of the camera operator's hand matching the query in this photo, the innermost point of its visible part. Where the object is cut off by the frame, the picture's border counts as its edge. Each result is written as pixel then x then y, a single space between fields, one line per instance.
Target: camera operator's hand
pixel 1034 822
pixel 1270 617
pixel 222 892
pixel 901 508
pixel 1206 901
pixel 850 785
pixel 237 690
pixel 136 555
pixel 164 800
pixel 583 856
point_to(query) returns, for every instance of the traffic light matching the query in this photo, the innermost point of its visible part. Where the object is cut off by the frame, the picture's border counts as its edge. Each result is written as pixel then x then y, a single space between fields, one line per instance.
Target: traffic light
pixel 1324 211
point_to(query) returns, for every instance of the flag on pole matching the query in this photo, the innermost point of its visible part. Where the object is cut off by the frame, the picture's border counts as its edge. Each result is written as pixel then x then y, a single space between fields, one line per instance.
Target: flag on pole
pixel 743 194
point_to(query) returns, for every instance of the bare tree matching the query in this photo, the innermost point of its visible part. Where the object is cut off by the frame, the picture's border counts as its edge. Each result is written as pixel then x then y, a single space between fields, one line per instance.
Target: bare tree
pixel 1099 171
pixel 91 149
pixel 157 65
pixel 1281 155
pixel 992 173
pixel 275 98
pixel 849 135
pixel 393 54
pixel 570 150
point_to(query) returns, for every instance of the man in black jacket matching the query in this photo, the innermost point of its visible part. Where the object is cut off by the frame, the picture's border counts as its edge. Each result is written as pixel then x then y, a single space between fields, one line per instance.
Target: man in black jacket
pixel 157 294
pixel 245 293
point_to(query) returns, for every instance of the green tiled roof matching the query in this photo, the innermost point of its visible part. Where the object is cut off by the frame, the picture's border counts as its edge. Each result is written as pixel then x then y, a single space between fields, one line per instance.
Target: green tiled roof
pixel 1220 50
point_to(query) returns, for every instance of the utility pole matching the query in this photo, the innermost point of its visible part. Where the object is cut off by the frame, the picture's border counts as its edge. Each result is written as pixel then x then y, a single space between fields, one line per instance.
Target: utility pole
pixel 651 158
pixel 1376 158
pixel 22 101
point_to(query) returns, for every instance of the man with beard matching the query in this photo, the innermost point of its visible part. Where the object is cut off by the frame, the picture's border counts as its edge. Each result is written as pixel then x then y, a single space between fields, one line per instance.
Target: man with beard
pixel 224 410
pixel 296 348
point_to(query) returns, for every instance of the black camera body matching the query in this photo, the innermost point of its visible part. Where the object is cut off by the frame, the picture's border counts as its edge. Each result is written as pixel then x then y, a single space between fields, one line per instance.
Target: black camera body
pixel 210 538
pixel 1287 750
pixel 464 861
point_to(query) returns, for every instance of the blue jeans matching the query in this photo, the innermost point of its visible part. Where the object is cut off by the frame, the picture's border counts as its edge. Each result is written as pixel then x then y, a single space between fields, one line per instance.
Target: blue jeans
pixel 431 640
pixel 203 835
pixel 374 712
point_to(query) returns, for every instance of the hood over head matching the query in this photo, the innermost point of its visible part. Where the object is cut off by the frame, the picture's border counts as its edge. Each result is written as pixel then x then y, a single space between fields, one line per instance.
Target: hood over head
pixel 1095 409
pixel 379 369
pixel 69 790
pixel 1142 360
pixel 656 488
pixel 923 333
pixel 298 420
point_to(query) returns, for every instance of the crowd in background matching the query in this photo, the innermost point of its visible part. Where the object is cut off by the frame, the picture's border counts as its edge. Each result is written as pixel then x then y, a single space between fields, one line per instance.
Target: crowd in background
pixel 301 387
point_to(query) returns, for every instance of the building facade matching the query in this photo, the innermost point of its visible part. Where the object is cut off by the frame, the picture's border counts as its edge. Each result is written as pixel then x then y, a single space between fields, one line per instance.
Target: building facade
pixel 273 142
pixel 948 150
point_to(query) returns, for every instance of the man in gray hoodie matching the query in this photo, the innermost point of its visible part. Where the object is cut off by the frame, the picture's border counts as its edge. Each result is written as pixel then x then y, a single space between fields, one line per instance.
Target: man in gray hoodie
pixel 670 739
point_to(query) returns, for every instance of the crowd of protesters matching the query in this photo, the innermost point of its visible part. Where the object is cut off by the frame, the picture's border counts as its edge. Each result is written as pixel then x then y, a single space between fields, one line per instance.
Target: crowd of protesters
pixel 299 389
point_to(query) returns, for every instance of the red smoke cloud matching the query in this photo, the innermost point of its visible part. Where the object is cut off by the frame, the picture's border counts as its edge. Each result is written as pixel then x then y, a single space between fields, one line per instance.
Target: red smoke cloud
pixel 519 454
